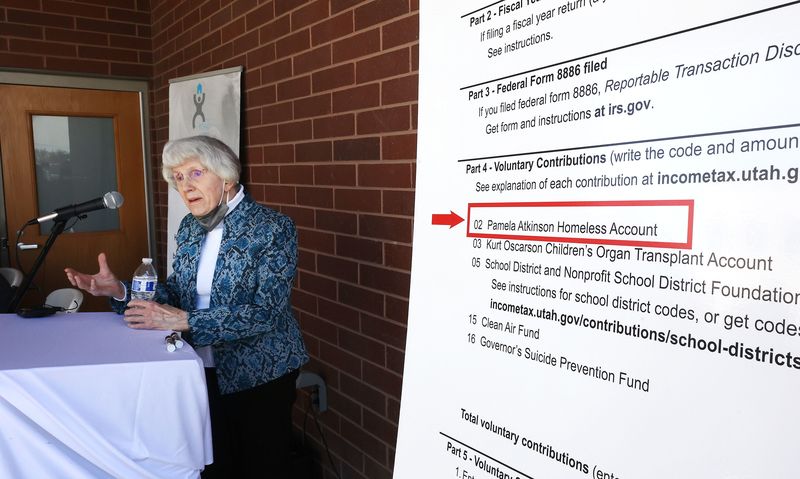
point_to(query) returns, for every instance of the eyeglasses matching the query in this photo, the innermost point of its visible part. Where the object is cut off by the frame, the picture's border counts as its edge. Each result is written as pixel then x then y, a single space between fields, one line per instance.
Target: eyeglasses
pixel 193 175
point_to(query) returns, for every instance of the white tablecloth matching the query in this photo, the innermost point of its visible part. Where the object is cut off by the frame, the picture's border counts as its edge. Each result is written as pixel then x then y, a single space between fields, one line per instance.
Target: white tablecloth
pixel 84 396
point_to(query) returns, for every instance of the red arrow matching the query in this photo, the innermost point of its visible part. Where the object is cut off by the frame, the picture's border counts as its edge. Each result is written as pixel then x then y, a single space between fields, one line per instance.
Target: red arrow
pixel 451 219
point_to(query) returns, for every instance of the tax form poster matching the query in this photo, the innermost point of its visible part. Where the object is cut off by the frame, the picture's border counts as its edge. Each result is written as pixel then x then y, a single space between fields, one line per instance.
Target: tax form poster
pixel 621 297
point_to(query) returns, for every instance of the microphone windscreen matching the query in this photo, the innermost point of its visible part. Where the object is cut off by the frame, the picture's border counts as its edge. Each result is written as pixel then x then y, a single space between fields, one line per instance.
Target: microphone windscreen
pixel 113 200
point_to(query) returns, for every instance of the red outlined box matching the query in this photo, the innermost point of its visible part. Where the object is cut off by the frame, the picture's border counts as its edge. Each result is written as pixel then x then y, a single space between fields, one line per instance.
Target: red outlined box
pixel 653 204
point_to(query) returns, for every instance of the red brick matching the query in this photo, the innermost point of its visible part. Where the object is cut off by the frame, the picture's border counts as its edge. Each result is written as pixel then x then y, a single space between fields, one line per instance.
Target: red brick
pixel 21 61
pixel 220 18
pixel 357 46
pixel 375 470
pixel 385 120
pixel 400 90
pixel 212 41
pixel 312 106
pixel 311 13
pixel 338 175
pixel 400 32
pixel 25 31
pixel 367 443
pixel 23 4
pixel 127 16
pixel 315 197
pixel 344 405
pixel 333 126
pixel 335 77
pixel 220 54
pixel 318 285
pixel 390 175
pixel 285 6
pixel 335 27
pixel 276 71
pixel 241 7
pixel 273 30
pixel 264 174
pixel 235 29
pixel 76 65
pixel 263 135
pixel 338 268
pixel 306 260
pixel 357 98
pixel 209 7
pixel 245 44
pixel 359 248
pixel 130 4
pixel 315 240
pixel 303 217
pixel 294 43
pixel 294 88
pixel 71 36
pixel 386 331
pixel 358 200
pixel 252 155
pixel 41 47
pixel 368 396
pixel 397 309
pixel 339 314
pixel 103 26
pixel 122 41
pixel 278 112
pixel 395 360
pixel 399 147
pixel 386 227
pixel 339 5
pixel 279 154
pixel 378 425
pixel 341 359
pixel 382 66
pixel 360 298
pixel 338 222
pixel 318 327
pixel 415 58
pixel 397 256
pixel 296 131
pixel 105 53
pixel 301 299
pixel 260 16
pixel 40 19
pixel 318 151
pixel 297 174
pixel 379 11
pixel 312 60
pixel 383 379
pixel 3 42
pixel 131 70
pixel 359 149
pixel 386 280
pixel 279 194
pixel 398 202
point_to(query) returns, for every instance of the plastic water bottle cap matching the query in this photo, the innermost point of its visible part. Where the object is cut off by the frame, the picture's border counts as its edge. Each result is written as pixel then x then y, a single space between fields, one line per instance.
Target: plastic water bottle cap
pixel 147 260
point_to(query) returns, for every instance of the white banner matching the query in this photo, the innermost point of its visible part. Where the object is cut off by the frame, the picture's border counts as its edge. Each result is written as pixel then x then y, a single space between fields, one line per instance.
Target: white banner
pixel 206 104
pixel 621 297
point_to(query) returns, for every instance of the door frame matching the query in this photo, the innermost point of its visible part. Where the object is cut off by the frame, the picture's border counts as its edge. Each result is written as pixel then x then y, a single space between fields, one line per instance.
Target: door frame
pixel 21 77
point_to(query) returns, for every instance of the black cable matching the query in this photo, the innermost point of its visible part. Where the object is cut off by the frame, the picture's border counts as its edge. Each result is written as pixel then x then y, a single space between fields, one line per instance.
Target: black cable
pixel 309 407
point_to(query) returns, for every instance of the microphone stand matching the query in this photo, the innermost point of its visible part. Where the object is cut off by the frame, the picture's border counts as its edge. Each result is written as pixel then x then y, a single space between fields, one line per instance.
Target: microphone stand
pixel 58 228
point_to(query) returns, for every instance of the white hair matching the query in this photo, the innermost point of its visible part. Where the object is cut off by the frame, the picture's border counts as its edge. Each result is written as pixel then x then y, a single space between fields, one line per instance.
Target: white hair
pixel 213 154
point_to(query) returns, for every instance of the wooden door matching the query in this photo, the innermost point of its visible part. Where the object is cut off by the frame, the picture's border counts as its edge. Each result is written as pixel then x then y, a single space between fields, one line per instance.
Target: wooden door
pixel 73 145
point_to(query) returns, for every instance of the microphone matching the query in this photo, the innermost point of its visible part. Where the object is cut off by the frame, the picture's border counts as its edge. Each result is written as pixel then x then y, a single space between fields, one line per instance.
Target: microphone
pixel 111 200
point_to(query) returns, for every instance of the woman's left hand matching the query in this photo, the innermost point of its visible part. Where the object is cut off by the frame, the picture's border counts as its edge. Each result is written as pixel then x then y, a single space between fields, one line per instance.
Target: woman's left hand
pixel 143 314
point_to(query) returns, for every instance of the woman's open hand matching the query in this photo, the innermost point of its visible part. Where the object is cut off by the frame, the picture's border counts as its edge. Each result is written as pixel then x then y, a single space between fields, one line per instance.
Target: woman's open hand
pixel 102 283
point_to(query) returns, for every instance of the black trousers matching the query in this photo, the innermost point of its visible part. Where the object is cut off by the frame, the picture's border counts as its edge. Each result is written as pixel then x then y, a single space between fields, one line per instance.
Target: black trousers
pixel 251 429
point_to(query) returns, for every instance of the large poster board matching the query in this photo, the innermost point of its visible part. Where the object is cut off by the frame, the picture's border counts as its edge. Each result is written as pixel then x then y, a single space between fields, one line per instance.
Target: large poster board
pixel 204 104
pixel 621 297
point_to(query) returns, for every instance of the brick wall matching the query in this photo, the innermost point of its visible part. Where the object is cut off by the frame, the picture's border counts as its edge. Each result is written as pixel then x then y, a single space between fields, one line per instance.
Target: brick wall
pixel 329 138
pixel 97 37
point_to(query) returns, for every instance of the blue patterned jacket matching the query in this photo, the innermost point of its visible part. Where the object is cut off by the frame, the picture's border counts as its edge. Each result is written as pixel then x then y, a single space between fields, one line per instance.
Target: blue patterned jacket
pixel 249 323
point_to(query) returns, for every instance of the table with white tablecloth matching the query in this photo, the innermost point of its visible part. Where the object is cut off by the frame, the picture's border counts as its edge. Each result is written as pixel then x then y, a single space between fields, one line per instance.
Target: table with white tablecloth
pixel 84 396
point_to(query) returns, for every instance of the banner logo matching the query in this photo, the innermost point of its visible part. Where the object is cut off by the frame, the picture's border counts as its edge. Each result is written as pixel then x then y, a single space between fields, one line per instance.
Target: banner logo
pixel 199 98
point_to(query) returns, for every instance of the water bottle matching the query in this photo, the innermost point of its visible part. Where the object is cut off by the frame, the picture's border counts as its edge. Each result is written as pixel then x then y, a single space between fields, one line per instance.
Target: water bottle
pixel 144 281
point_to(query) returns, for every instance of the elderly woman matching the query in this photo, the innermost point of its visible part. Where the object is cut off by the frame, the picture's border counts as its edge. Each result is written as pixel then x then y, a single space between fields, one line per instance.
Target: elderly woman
pixel 229 294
